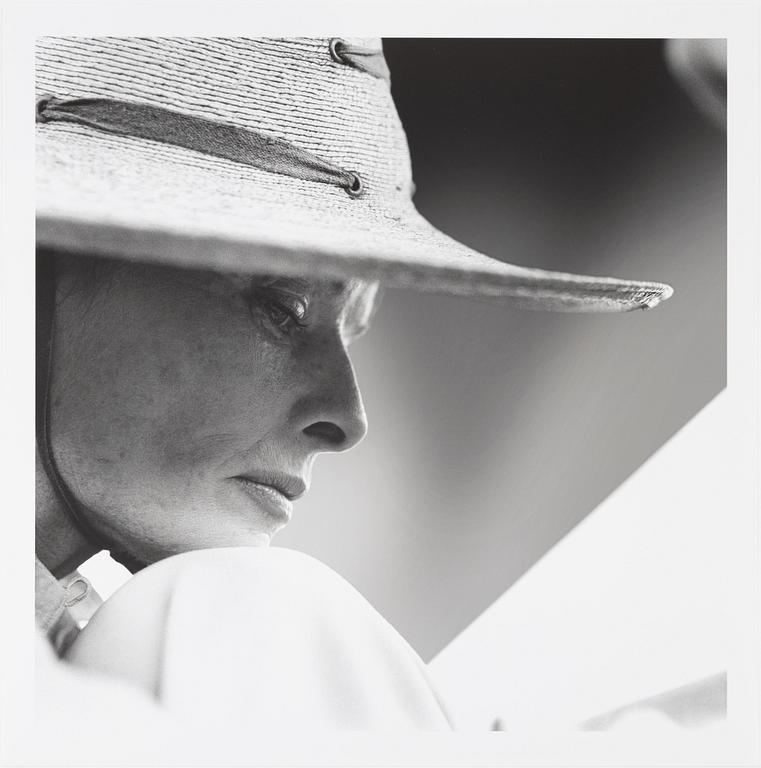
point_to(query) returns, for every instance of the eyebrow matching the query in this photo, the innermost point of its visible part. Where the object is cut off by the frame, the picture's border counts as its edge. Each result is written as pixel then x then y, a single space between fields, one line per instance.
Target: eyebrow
pixel 304 285
pixel 291 283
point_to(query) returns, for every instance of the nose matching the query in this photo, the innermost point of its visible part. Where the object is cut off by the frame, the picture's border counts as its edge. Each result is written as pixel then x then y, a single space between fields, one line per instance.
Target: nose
pixel 331 416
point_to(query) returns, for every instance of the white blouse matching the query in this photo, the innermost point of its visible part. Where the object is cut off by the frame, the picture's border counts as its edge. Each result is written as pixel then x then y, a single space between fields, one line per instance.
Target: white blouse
pixel 239 640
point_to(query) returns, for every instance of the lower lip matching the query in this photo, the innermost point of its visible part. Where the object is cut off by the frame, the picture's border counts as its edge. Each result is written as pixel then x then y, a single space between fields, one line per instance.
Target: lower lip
pixel 267 498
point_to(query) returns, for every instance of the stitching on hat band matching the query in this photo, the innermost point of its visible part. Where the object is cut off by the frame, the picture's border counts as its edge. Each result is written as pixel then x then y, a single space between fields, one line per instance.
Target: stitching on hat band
pixel 370 60
pixel 167 126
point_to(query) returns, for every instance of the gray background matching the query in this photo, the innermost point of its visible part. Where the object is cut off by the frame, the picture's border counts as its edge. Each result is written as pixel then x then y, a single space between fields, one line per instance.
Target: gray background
pixel 494 431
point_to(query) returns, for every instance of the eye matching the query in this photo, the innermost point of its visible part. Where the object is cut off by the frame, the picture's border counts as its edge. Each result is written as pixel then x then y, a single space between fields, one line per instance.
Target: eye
pixel 284 314
pixel 283 309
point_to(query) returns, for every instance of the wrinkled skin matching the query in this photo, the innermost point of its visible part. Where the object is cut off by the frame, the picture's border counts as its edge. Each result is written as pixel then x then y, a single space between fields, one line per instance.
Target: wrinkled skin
pixel 168 385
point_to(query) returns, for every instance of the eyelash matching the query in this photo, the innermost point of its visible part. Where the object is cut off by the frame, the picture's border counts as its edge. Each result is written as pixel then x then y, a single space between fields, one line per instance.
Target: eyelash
pixel 274 302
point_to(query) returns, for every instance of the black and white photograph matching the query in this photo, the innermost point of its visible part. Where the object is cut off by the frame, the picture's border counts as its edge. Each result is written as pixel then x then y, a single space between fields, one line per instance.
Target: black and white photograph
pixel 397 387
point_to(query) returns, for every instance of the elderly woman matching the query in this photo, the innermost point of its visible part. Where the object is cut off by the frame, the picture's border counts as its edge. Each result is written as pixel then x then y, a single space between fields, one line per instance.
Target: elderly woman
pixel 215 218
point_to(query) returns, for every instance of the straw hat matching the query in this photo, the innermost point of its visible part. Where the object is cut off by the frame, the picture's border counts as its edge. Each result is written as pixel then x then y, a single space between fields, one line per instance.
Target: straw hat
pixel 248 155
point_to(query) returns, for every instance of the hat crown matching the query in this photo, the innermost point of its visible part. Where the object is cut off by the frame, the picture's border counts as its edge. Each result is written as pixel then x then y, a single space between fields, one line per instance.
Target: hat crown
pixel 293 89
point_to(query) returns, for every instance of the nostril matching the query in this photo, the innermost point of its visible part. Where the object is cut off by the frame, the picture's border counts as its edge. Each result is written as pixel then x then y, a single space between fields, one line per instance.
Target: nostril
pixel 327 432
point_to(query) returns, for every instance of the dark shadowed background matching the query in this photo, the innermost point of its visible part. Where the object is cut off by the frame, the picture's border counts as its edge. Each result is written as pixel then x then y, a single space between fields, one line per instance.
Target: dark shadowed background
pixel 494 431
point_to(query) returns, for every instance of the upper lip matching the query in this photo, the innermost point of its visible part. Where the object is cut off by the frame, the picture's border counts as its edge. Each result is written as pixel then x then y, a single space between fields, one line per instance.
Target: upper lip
pixel 290 486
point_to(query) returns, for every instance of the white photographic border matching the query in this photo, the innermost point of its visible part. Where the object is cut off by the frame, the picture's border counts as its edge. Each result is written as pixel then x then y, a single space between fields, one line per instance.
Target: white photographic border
pixel 731 439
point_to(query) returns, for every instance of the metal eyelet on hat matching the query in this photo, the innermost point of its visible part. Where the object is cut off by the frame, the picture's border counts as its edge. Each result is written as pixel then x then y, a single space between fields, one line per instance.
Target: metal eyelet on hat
pixel 368 60
pixel 335 44
pixel 40 106
pixel 356 187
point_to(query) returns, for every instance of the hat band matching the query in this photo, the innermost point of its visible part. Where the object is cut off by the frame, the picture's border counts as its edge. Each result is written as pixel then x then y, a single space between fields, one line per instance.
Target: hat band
pixel 230 142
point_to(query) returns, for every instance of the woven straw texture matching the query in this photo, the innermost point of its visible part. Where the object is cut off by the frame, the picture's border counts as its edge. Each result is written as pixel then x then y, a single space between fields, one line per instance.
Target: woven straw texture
pixel 135 198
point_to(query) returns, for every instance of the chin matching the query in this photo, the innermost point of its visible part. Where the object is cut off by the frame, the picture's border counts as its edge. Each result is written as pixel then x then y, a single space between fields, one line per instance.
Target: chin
pixel 214 527
pixel 218 541
pixel 232 536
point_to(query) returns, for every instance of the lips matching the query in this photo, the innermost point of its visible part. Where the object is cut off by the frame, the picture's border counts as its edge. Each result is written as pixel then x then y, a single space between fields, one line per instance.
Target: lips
pixel 274 493
pixel 290 486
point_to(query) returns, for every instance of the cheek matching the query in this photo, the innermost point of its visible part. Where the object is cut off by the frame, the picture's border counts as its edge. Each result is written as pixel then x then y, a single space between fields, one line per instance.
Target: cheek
pixel 162 396
pixel 143 377
pixel 228 396
pixel 217 391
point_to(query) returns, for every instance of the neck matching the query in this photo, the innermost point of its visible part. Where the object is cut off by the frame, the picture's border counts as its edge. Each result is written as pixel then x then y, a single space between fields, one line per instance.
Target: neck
pixel 58 543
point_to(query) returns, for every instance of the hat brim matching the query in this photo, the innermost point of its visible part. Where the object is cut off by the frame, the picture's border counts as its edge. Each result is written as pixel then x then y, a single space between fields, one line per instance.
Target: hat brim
pixel 139 200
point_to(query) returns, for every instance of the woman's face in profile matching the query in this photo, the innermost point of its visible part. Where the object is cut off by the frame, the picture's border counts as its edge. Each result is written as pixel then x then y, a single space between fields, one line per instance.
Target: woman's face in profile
pixel 188 407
